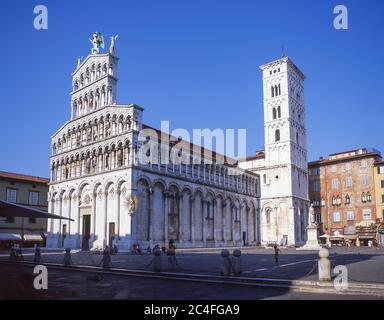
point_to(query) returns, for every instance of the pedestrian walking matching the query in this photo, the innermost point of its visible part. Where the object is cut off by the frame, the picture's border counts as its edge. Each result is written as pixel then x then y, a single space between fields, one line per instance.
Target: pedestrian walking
pixel 37 257
pixel 276 254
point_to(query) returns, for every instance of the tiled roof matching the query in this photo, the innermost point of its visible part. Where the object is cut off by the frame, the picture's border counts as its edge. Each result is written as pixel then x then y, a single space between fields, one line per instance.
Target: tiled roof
pixel 22 177
pixel 343 159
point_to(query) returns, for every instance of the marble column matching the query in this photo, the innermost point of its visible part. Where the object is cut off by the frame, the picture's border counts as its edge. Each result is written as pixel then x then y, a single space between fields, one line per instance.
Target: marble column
pixel 181 218
pixel 233 224
pixel 224 221
pixel 205 221
pixel 118 193
pixel 105 212
pixel 166 209
pixel 192 224
pixel 76 198
pixel 150 215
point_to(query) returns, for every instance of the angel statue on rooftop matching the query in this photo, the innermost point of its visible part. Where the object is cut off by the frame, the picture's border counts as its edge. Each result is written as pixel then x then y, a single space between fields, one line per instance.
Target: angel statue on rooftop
pixel 112 48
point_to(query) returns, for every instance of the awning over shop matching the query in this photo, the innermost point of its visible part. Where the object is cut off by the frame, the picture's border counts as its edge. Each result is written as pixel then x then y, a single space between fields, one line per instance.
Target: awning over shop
pixel 33 237
pixel 10 237
pixel 339 238
pixel 8 209
pixel 367 237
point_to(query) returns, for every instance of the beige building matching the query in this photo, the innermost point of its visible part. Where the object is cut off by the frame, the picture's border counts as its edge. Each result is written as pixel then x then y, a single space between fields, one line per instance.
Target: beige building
pixel 28 191
pixel 379 189
pixel 379 197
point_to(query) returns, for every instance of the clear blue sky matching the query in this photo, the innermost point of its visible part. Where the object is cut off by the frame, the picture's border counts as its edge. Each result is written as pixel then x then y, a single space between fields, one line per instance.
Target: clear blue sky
pixel 195 63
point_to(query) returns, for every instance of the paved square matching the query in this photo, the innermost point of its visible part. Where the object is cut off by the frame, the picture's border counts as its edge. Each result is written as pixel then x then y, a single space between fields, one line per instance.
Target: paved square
pixel 364 264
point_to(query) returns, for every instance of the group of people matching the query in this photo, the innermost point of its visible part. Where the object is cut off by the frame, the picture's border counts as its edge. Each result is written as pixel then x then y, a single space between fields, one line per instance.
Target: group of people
pixel 163 249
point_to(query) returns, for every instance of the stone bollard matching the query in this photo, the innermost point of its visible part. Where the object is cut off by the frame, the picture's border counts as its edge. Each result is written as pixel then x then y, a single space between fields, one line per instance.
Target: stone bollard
pixel 227 264
pixel 106 260
pixel 171 259
pixel 67 257
pixel 236 262
pixel 37 258
pixel 324 265
pixel 157 260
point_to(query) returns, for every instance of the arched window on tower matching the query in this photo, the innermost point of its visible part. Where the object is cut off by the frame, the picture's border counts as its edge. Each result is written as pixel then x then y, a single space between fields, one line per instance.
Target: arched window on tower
pixel 279 112
pixel 277 135
pixel 272 91
pixel 274 115
pixel 297 137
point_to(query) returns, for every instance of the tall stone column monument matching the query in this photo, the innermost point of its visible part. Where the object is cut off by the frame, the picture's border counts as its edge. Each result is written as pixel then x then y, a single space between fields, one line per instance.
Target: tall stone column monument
pixel 312 235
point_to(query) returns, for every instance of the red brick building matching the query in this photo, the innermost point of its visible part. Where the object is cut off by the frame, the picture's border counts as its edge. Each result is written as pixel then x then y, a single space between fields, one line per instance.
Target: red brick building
pixel 342 190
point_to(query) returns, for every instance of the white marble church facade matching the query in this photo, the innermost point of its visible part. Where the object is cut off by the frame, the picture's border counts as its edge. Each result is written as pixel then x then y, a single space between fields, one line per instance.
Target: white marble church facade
pixel 283 166
pixel 98 181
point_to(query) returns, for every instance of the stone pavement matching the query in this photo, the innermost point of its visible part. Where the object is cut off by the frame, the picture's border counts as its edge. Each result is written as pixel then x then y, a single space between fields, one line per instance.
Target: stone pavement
pixel 364 264
pixel 77 285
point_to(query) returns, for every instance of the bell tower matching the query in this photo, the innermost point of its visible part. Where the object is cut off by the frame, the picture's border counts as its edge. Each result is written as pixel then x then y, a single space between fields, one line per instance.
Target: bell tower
pixel 284 123
pixel 94 82
pixel 283 166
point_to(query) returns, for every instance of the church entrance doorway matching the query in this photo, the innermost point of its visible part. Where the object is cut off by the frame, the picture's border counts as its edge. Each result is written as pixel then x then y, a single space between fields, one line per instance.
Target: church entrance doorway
pixel 111 234
pixel 86 231
pixel 63 235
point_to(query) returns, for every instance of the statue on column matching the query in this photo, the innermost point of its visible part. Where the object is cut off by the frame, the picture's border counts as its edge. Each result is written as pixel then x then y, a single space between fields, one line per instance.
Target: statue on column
pixel 312 242
pixel 112 47
pixel 79 60
pixel 312 219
